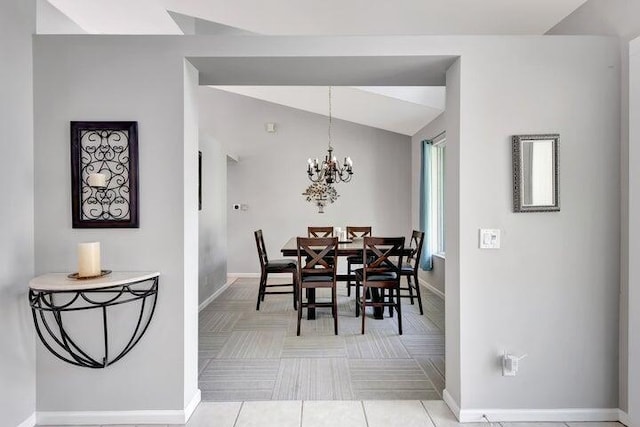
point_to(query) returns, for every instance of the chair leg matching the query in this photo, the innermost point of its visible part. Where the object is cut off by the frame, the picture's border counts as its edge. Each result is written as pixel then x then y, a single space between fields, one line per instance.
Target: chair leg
pixel 364 305
pixel 417 285
pixel 410 289
pixel 334 306
pixel 261 289
pixel 348 278
pixel 390 301
pixel 299 295
pixel 399 309
pixel 295 289
pixel 357 298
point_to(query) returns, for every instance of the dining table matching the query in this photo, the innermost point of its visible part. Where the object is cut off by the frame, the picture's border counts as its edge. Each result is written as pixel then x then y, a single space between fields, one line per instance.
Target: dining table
pixel 345 249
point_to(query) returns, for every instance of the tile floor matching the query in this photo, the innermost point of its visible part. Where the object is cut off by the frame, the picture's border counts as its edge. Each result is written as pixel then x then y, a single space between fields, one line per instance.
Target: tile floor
pixel 349 413
pixel 249 355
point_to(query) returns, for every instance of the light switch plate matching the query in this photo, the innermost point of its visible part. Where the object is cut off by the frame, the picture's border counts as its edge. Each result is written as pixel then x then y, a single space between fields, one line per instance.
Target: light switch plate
pixel 489 238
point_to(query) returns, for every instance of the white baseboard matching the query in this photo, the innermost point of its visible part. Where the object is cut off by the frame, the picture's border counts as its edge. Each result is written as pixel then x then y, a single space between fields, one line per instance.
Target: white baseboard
pixel 243 275
pixel 623 417
pixel 29 422
pixel 431 288
pixel 451 403
pixel 217 293
pixel 256 275
pixel 191 407
pixel 538 415
pixel 532 415
pixel 178 416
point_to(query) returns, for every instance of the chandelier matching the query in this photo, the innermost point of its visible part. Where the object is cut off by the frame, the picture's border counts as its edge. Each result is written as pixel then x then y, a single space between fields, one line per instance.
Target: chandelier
pixel 320 194
pixel 329 170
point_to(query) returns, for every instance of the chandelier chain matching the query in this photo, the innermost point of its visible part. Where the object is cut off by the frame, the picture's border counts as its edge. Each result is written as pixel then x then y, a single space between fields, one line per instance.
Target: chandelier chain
pixel 330 170
pixel 329 116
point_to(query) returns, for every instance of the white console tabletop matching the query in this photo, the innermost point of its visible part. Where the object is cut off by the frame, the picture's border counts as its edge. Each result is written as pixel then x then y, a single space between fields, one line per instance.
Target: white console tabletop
pixel 60 281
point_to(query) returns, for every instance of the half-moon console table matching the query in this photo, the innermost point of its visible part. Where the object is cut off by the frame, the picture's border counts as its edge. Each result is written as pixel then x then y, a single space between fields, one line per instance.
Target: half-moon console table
pixel 55 297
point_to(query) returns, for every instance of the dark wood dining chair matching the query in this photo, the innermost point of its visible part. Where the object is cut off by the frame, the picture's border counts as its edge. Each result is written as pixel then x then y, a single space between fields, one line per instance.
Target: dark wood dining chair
pixel 274 266
pixel 317 261
pixel 410 269
pixel 380 274
pixel 354 233
pixel 320 231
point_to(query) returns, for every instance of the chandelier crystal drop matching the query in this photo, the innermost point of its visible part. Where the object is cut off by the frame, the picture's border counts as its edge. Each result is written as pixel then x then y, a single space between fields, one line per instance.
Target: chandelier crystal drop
pixel 329 170
pixel 321 194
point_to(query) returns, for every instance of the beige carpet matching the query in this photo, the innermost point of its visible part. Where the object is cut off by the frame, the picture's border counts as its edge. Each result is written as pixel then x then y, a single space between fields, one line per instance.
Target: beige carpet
pixel 246 354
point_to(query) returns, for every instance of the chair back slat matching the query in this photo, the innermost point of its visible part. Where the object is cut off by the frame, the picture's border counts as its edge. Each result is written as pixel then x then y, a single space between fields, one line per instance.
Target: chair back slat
pixel 384 256
pixel 357 232
pixel 319 254
pixel 417 238
pixel 320 231
pixel 262 250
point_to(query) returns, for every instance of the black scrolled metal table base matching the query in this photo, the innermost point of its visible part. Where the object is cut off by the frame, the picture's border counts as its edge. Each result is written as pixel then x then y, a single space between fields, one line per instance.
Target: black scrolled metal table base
pixel 48 318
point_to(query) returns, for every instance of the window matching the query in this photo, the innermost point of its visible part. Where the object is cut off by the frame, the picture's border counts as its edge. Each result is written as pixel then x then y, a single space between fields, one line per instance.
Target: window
pixel 432 198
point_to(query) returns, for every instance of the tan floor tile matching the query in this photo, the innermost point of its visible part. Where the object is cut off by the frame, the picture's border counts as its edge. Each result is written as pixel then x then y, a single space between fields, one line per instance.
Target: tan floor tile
pixel 350 413
pixel 385 413
pixel 270 414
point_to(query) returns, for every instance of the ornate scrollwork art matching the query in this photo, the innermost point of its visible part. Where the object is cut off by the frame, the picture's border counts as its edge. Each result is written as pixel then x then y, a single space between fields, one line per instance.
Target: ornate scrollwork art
pixel 104 174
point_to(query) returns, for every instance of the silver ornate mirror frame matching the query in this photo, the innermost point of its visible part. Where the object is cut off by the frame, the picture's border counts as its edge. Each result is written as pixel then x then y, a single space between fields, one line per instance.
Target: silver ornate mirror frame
pixel 522 171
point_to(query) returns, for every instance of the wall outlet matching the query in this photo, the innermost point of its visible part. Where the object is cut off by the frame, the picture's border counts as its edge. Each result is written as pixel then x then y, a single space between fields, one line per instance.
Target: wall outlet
pixel 511 364
pixel 236 207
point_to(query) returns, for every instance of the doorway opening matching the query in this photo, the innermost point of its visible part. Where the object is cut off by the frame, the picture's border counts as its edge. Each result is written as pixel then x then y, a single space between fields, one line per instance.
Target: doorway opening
pixel 246 354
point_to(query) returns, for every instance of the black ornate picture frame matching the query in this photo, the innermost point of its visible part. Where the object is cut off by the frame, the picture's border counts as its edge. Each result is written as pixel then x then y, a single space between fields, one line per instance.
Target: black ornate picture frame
pixel 109 152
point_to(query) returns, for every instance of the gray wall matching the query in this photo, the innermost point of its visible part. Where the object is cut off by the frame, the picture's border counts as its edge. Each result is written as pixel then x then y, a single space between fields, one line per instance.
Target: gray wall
pixel 541 293
pixel 145 83
pixel 496 300
pixel 435 277
pixel 190 250
pixel 452 202
pixel 212 217
pixel 17 352
pixel 620 19
pixel 271 174
pixel 634 233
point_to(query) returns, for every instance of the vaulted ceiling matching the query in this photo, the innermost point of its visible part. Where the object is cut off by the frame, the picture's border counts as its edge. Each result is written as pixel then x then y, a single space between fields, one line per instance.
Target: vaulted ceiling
pixel 402 110
pixel 327 17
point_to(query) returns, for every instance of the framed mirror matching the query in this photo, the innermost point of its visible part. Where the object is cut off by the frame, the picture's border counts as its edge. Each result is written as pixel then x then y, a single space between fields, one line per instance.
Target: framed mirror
pixel 535 173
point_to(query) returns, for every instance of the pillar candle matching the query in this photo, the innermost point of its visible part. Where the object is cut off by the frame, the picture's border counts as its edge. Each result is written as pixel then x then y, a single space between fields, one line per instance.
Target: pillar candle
pixel 97 180
pixel 89 259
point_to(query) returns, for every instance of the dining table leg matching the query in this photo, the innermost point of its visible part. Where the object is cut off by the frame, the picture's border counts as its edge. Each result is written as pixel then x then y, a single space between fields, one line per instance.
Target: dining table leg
pixel 377 296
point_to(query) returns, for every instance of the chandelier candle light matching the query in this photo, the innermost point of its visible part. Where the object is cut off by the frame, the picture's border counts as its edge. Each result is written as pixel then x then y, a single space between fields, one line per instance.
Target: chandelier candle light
pixel 329 170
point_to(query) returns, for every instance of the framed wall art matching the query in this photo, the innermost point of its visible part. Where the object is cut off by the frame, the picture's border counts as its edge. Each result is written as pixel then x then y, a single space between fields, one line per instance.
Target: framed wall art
pixel 535 173
pixel 104 174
